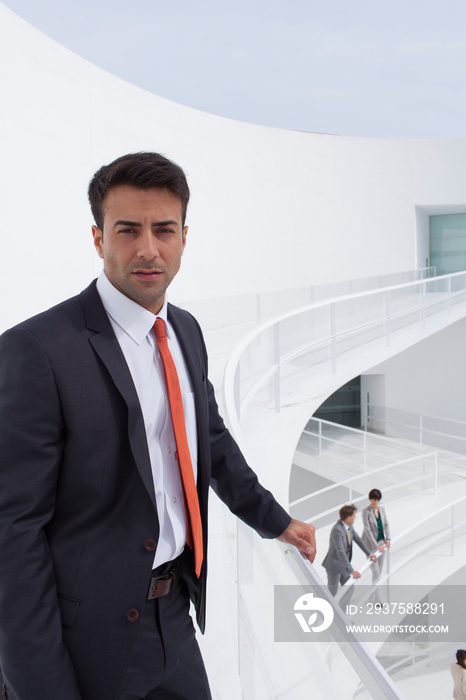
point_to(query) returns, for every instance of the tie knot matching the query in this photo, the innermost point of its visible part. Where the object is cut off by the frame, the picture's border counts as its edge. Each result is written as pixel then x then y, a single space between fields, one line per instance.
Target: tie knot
pixel 159 328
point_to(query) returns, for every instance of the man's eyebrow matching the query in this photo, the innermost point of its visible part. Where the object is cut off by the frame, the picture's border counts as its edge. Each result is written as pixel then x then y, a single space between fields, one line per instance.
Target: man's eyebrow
pixel 170 222
pixel 123 222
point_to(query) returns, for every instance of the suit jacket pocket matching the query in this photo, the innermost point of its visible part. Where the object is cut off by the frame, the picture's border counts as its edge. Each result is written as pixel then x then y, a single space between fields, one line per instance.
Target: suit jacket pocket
pixel 69 610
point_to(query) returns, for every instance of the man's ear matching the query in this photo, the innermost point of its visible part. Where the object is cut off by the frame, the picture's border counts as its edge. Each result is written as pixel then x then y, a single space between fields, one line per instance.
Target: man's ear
pixel 98 241
pixel 184 234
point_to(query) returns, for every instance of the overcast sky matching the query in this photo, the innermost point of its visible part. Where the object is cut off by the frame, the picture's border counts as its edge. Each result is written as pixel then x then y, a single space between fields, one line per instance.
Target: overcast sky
pixel 388 68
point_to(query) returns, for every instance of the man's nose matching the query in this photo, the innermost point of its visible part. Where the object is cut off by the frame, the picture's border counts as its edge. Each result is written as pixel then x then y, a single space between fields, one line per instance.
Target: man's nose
pixel 147 245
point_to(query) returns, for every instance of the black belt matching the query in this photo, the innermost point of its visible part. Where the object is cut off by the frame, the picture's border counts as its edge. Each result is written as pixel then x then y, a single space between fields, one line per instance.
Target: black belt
pixel 163 582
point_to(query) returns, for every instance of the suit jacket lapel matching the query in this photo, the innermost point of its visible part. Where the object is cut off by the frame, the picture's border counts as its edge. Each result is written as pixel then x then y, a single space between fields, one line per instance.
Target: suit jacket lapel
pixel 108 349
pixel 191 350
pixel 193 355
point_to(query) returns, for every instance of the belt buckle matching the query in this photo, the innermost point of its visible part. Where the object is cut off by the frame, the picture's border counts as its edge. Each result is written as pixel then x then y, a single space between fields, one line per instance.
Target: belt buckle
pixel 162 585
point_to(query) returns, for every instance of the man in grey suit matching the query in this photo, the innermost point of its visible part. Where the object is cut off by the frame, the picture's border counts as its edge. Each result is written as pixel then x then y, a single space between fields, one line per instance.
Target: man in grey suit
pixel 338 558
pixel 104 480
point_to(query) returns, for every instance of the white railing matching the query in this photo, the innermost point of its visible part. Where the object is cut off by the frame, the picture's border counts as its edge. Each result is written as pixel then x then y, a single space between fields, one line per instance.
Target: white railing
pixel 371 673
pixel 333 668
pixel 321 435
pixel 443 433
pixel 417 465
pixel 254 309
pixel 321 333
pixel 354 450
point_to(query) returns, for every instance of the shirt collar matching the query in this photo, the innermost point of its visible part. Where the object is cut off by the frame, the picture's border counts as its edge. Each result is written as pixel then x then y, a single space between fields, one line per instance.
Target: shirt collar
pixel 133 318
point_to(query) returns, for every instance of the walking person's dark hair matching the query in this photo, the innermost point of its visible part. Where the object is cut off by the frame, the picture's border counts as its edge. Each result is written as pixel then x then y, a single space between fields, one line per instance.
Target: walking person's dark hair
pixel 347 511
pixel 461 658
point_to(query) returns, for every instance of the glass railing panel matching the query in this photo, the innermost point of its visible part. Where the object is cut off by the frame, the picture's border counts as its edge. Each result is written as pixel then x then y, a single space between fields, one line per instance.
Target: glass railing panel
pixel 411 317
pixel 442 433
pixel 326 434
pixel 295 332
pixel 401 424
pixel 255 308
pixel 404 300
pixel 333 433
pixel 359 311
pixel 458 285
pixel 451 443
pixel 293 670
pixel 435 285
pixel 453 428
pixel 319 324
pixel 258 359
pixel 395 479
pixel 316 359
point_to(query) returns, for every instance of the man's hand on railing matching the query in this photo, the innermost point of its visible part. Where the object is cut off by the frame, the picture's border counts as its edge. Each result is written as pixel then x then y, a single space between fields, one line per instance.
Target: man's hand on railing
pixel 303 536
pixel 373 557
pixel 355 574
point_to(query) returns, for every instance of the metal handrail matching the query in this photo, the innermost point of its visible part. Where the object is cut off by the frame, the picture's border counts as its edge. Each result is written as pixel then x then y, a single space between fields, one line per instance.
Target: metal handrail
pixel 377 470
pixel 231 381
pixel 420 428
pixel 364 449
pixel 370 671
pixel 419 415
pixel 256 304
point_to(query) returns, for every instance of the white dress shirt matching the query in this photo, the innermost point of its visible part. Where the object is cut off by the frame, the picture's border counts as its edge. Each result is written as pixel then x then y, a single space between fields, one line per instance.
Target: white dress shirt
pixel 349 536
pixel 133 326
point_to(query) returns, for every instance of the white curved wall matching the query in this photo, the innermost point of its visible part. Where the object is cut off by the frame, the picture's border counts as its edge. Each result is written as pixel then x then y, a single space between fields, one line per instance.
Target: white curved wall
pixel 271 209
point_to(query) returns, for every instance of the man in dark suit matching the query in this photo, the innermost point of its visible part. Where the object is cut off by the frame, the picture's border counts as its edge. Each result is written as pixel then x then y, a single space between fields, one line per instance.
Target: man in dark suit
pixel 95 514
pixel 338 558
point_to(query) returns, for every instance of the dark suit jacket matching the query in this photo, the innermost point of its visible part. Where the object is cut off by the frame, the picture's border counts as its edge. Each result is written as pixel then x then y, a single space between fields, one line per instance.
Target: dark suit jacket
pixel 338 558
pixel 78 518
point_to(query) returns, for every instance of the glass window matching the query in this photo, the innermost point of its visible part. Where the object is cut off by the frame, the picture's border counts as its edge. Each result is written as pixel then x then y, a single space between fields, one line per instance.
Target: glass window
pixel 448 243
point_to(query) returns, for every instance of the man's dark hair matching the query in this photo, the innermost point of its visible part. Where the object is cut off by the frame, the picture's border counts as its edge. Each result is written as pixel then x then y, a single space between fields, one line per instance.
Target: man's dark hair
pixel 347 511
pixel 142 170
pixel 461 657
pixel 375 494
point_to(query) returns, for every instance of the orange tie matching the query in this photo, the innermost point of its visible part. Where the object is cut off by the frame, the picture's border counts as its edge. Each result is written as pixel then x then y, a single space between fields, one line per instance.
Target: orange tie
pixel 191 500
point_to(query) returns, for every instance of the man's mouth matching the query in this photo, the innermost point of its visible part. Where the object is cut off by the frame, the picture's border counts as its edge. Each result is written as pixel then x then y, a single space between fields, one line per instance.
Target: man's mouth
pixel 147 274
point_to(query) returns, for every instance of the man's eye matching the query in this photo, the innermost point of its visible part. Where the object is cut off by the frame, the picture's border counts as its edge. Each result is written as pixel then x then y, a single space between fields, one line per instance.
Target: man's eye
pixel 127 230
pixel 165 231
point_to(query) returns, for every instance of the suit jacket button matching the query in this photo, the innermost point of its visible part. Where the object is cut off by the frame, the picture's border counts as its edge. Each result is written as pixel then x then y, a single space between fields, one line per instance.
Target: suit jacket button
pixel 132 615
pixel 150 545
